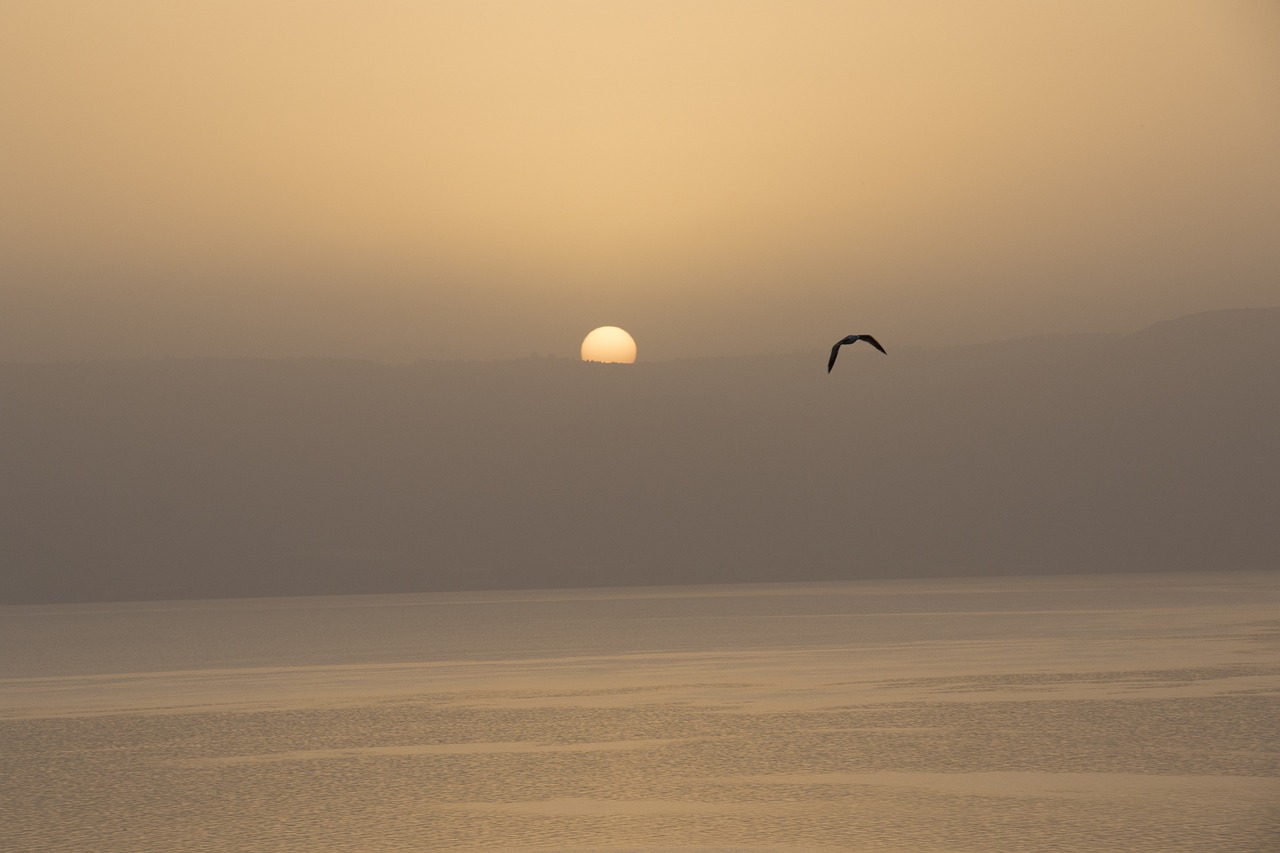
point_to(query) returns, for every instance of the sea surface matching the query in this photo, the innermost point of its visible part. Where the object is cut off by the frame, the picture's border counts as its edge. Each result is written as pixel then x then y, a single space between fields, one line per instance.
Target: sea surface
pixel 1086 713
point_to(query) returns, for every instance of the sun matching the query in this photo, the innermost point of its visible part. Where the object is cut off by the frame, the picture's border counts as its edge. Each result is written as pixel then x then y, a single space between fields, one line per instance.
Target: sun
pixel 609 344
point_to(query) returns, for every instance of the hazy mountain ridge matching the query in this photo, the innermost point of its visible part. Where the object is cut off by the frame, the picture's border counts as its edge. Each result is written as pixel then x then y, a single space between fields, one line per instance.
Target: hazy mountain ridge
pixel 1154 450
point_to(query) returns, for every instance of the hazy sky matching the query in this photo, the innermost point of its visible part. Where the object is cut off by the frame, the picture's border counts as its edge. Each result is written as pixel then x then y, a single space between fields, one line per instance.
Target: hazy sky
pixel 475 179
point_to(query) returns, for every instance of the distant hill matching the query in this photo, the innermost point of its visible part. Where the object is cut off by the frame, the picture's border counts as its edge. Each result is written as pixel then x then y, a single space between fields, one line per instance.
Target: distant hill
pixel 182 479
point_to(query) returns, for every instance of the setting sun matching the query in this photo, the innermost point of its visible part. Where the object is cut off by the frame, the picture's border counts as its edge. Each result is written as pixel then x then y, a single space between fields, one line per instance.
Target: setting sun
pixel 609 344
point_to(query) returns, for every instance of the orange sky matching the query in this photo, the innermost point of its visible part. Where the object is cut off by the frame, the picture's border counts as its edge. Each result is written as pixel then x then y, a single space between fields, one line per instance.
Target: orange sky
pixel 398 180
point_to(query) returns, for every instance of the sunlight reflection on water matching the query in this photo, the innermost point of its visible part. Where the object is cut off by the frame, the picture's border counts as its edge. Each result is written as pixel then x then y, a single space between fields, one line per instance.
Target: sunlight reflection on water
pixel 1106 713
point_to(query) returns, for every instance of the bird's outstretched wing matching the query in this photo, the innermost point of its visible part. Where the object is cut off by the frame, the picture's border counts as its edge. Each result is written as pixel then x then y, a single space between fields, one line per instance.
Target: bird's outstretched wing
pixel 835 350
pixel 871 341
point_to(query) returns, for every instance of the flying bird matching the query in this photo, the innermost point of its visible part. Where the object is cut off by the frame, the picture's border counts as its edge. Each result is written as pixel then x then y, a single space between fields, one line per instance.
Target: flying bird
pixel 851 339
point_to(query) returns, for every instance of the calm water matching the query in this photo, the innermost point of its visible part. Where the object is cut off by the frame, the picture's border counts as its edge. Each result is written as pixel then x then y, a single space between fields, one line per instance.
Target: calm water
pixel 1107 713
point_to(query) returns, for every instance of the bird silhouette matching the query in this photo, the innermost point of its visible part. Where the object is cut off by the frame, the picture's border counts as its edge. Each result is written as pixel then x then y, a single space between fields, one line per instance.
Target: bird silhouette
pixel 851 339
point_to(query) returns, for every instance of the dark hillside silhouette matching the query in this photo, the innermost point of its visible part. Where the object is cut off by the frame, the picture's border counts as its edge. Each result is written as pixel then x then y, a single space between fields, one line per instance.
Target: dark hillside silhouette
pixel 177 479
